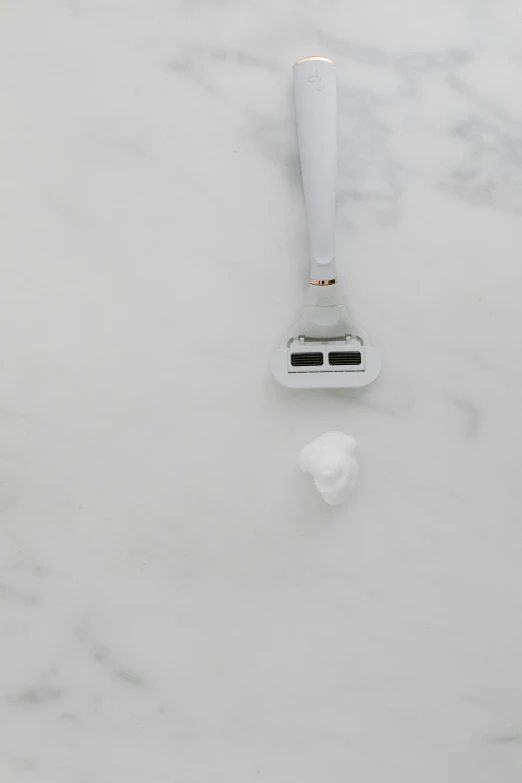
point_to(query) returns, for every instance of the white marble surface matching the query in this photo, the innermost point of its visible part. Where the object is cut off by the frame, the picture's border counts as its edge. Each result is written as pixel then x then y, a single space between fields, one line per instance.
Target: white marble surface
pixel 176 601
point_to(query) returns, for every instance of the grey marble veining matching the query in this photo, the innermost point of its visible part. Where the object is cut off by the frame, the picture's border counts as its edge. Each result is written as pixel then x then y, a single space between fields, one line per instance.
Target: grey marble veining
pixel 176 603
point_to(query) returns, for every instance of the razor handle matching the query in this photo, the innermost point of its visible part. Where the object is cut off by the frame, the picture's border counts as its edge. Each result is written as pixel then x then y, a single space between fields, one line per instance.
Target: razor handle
pixel 315 94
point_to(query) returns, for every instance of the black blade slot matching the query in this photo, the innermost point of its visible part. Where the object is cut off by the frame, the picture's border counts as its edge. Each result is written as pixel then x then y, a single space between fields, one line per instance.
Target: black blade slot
pixel 337 358
pixel 314 359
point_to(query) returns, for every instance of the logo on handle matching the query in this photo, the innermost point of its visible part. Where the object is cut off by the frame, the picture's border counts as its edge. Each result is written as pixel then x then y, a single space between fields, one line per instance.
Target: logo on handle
pixel 319 83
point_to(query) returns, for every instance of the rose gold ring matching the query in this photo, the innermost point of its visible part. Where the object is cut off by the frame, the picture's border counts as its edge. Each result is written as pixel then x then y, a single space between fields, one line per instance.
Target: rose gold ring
pixel 323 282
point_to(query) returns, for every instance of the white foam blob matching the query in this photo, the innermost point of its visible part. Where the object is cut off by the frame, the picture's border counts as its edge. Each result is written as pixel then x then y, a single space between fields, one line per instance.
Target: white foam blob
pixel 330 461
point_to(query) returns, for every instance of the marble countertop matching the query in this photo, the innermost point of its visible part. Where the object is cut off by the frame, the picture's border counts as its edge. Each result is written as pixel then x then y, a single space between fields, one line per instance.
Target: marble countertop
pixel 176 601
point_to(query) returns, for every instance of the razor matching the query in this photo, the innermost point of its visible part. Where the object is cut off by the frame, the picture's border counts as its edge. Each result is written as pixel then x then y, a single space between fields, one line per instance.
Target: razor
pixel 325 349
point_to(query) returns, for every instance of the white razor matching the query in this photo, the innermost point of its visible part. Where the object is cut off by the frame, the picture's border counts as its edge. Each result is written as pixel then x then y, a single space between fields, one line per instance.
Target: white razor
pixel 326 350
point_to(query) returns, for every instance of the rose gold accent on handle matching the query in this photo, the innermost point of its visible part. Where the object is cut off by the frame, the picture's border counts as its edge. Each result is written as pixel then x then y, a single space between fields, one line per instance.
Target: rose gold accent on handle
pixel 306 59
pixel 323 282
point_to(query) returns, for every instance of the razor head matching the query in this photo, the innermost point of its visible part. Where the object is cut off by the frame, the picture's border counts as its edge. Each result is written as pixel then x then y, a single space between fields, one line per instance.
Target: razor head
pixel 326 364
pixel 327 351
